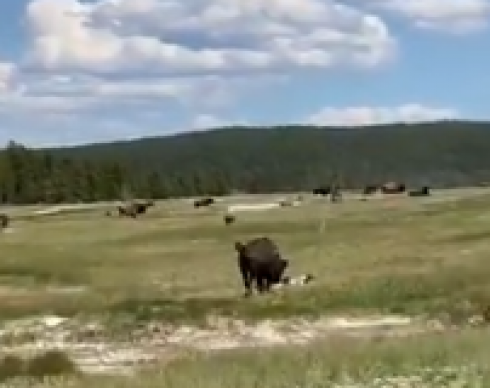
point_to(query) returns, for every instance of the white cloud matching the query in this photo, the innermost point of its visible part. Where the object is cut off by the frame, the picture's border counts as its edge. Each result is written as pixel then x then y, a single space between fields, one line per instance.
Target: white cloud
pixel 361 116
pixel 48 95
pixel 455 16
pixel 110 66
pixel 7 77
pixel 209 121
pixel 205 121
pixel 152 58
pixel 199 36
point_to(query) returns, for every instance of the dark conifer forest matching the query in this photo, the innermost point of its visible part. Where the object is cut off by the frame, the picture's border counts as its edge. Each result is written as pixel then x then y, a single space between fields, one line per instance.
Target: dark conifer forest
pixel 254 160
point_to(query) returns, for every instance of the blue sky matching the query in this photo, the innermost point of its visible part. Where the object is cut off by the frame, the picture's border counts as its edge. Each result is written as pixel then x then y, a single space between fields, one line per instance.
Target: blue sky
pixel 76 71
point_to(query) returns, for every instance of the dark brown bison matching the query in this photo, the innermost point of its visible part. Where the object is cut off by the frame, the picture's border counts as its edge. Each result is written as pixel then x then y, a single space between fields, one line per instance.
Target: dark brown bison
pixel 126 211
pixel 134 209
pixel 4 221
pixel 422 192
pixel 203 202
pixel 142 207
pixel 393 188
pixel 259 261
pixel 229 219
pixel 323 190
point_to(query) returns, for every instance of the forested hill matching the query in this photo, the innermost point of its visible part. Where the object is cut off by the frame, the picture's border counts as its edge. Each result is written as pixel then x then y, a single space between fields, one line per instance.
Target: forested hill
pixel 251 159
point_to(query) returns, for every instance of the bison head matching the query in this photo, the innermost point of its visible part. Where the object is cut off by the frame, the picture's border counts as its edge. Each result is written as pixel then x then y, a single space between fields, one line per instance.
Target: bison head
pixel 239 247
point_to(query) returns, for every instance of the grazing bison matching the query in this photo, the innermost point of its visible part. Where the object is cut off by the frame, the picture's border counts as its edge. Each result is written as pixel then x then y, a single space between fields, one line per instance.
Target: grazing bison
pixel 127 211
pixel 393 188
pixel 203 202
pixel 4 221
pixel 323 190
pixel 134 209
pixel 422 192
pixel 259 260
pixel 142 207
pixel 229 219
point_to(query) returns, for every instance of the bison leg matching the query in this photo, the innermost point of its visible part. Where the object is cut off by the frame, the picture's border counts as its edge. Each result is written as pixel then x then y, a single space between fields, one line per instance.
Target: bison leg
pixel 262 284
pixel 277 271
pixel 247 280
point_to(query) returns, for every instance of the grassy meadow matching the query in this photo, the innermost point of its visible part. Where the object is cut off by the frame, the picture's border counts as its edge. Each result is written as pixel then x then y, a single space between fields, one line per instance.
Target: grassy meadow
pixel 394 254
pixel 401 255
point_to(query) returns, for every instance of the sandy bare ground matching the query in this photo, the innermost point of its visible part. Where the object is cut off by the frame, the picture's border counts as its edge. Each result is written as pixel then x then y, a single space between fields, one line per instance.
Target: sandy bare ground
pixel 59 209
pixel 88 346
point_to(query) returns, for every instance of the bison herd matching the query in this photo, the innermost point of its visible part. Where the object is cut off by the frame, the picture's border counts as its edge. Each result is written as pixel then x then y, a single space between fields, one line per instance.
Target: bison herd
pixel 386 188
pixel 396 188
pixel 259 261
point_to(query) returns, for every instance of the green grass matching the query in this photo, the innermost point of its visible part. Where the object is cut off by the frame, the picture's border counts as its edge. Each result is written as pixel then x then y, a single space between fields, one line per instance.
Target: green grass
pixel 178 263
pixel 458 359
pixel 51 363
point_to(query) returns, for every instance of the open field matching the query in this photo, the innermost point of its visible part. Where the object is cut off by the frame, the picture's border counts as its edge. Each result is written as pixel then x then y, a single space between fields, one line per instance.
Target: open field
pixel 166 284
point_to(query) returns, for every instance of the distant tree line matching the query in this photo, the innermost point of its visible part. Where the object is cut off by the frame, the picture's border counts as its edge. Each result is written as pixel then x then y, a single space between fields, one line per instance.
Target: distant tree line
pixel 253 160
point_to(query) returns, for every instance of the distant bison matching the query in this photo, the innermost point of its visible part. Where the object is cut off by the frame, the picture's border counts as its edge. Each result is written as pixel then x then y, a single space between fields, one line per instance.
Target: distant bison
pixel 134 209
pixel 422 192
pixel 142 207
pixel 229 219
pixel 259 260
pixel 126 211
pixel 203 202
pixel 393 188
pixel 323 190
pixel 4 221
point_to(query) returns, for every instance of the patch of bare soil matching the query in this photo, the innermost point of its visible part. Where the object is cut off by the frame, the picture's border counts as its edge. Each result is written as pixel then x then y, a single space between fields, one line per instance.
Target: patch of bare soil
pixel 57 209
pixel 89 346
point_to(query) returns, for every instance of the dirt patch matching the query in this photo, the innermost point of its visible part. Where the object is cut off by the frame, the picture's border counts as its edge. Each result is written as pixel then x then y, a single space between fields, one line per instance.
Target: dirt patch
pixel 64 290
pixel 67 209
pixel 88 343
pixel 229 334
